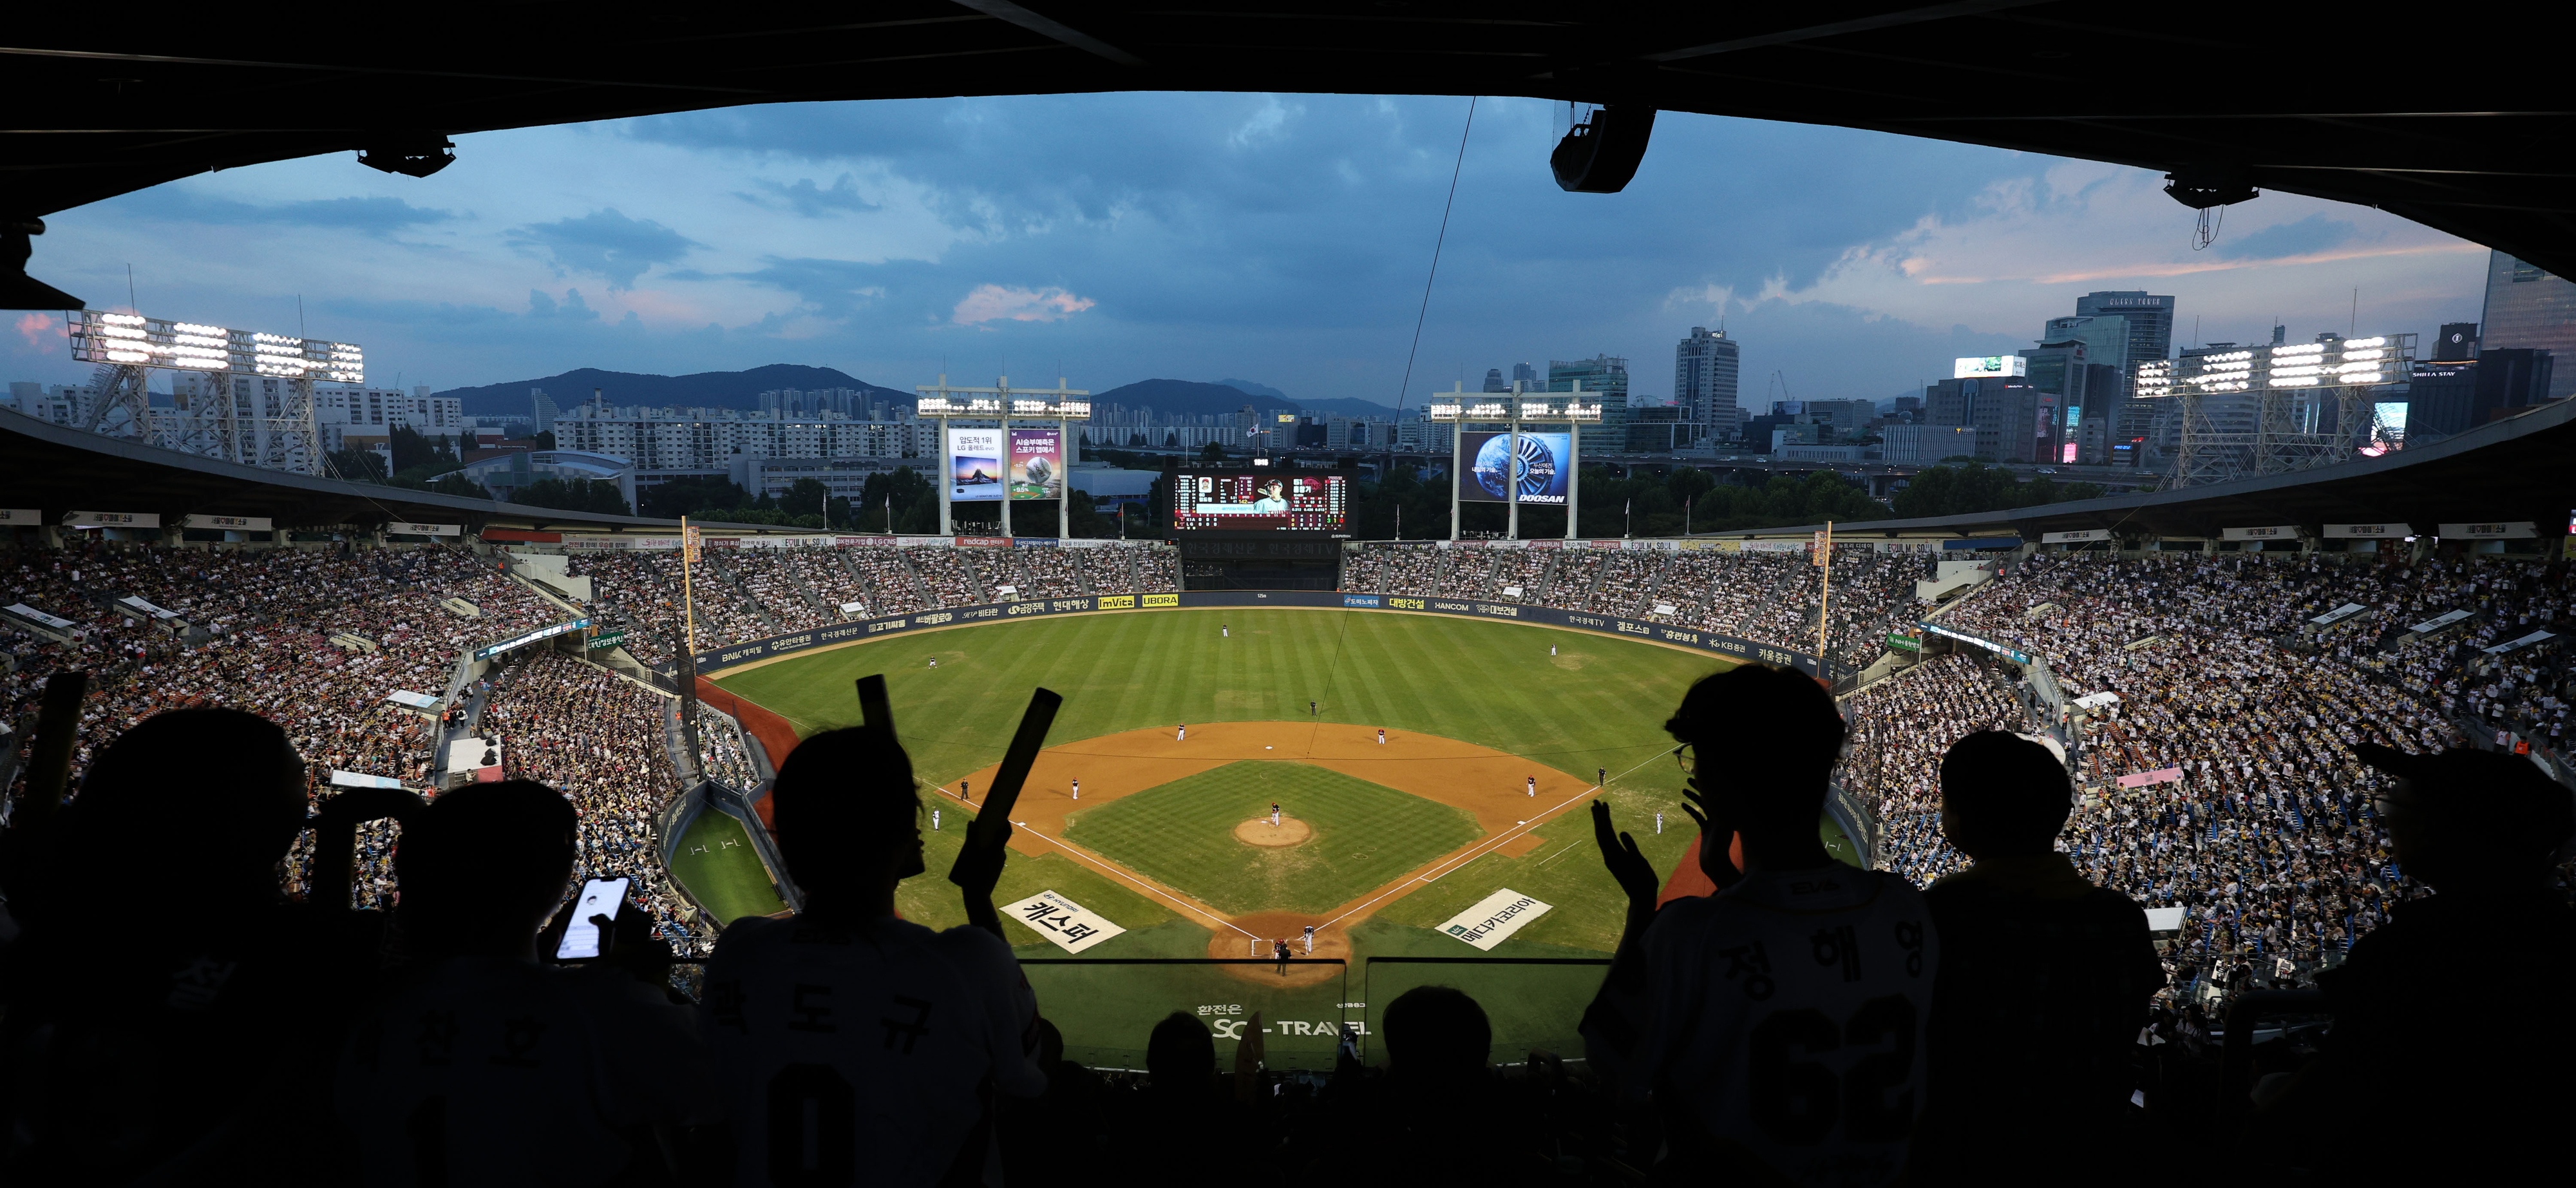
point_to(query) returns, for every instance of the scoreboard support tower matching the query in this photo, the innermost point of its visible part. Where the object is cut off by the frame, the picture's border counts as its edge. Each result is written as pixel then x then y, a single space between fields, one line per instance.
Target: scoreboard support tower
pixel 1455 408
pixel 1003 404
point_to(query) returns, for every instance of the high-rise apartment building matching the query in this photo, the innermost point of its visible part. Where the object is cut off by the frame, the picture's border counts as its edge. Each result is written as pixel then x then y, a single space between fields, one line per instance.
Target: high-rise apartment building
pixel 2529 309
pixel 2150 318
pixel 543 410
pixel 1705 367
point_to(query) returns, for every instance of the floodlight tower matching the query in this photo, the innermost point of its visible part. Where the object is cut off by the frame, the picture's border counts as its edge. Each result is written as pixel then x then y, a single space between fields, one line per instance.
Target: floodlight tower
pixel 283 436
pixel 1003 403
pixel 2312 401
pixel 1452 406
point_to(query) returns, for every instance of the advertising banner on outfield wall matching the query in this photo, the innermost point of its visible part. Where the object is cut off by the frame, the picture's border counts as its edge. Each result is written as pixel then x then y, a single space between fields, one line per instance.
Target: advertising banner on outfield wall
pixel 713 660
pixel 1544 469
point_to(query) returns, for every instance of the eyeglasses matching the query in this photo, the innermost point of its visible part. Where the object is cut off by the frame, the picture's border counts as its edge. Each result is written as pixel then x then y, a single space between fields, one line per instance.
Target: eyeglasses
pixel 1690 763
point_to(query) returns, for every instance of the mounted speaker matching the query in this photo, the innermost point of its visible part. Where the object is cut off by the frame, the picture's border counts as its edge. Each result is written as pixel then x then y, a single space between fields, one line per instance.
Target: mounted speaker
pixel 1602 152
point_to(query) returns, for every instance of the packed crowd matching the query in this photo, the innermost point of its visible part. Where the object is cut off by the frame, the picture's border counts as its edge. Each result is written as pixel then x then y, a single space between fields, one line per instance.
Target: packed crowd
pixel 598 738
pixel 722 753
pixel 1899 730
pixel 746 594
pixel 1770 596
pixel 2234 719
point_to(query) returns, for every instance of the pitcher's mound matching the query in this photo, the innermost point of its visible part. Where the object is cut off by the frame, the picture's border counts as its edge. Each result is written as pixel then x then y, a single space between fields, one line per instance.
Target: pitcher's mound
pixel 1260 832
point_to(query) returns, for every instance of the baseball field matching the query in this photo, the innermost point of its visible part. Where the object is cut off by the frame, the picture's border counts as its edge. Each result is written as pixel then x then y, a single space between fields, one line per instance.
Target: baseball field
pixel 1495 737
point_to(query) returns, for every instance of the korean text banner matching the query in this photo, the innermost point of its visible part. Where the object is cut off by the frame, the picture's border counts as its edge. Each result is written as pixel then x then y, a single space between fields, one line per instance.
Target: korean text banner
pixel 1037 464
pixel 1544 470
pixel 975 462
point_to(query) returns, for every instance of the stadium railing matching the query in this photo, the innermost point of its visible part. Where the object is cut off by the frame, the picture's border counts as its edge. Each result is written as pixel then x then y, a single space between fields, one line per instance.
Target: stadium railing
pixel 2236 1047
pixel 1107 1007
pixel 1533 1003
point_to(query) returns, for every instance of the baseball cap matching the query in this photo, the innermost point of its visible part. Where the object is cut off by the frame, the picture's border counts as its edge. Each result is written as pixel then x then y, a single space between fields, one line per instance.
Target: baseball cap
pixel 2506 791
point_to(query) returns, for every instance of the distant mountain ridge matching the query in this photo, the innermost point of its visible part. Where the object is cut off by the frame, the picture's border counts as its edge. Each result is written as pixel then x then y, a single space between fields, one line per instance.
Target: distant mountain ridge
pixel 708 389
pixel 1190 398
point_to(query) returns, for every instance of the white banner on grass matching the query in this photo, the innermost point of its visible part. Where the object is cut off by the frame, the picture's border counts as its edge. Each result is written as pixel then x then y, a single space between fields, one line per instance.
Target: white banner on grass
pixel 1494 918
pixel 1070 925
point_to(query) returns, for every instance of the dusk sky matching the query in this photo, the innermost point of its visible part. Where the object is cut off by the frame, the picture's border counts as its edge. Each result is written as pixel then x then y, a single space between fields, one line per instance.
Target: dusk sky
pixel 1275 238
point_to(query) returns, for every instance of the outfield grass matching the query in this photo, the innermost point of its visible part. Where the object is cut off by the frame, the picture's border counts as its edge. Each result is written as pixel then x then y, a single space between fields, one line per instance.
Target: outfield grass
pixel 717 864
pixel 1182 833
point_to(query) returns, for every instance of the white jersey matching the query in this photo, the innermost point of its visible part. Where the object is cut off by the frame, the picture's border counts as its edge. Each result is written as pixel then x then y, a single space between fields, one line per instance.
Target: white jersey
pixel 1785 1017
pixel 495 1071
pixel 871 1046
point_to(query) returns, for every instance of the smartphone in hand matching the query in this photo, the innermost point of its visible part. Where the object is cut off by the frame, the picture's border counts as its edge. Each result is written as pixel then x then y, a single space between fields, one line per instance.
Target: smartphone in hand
pixel 599 897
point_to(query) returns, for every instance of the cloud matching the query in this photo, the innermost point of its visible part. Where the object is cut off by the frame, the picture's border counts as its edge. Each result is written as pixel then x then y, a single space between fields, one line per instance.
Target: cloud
pixel 2313 235
pixel 603 243
pixel 994 302
pixel 37 327
pixel 366 215
pixel 572 308
pixel 811 201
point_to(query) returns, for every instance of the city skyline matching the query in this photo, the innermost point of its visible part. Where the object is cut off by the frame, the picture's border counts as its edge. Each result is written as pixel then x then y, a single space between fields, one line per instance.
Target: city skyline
pixel 1282 238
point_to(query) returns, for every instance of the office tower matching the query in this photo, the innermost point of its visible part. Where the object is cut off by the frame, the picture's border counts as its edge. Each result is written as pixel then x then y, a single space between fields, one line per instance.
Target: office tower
pixel 2105 339
pixel 2530 309
pixel 1494 380
pixel 1526 376
pixel 1704 378
pixel 2150 318
pixel 1608 376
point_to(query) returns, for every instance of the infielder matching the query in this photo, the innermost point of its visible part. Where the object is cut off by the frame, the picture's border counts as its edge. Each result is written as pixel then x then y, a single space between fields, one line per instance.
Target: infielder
pixel 1533 787
pixel 1381 738
pixel 1077 788
pixel 1184 735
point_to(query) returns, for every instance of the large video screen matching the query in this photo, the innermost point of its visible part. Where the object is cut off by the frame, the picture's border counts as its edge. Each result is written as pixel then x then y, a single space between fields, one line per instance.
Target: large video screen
pixel 1259 501
pixel 1541 469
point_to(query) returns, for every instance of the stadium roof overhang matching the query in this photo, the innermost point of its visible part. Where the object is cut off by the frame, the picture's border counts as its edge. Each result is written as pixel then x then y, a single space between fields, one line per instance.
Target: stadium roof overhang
pixel 55 470
pixel 2520 468
pixel 2272 95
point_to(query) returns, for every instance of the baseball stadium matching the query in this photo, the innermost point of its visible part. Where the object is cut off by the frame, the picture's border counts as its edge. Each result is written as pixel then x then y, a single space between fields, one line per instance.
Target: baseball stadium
pixel 367 823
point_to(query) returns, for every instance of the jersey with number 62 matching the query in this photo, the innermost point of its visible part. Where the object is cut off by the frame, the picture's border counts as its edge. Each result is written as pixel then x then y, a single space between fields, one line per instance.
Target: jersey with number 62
pixel 852 1056
pixel 1786 1021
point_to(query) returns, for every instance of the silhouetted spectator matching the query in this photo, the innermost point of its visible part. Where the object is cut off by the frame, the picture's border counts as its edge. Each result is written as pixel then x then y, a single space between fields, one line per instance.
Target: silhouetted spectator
pixel 1059 1138
pixel 1431 1118
pixel 2451 1040
pixel 1779 1029
pixel 168 1013
pixel 481 1066
pixel 1181 1125
pixel 2045 982
pixel 847 1039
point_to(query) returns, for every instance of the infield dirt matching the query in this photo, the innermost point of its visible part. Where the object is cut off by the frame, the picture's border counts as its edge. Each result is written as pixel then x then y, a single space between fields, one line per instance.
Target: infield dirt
pixel 1490 785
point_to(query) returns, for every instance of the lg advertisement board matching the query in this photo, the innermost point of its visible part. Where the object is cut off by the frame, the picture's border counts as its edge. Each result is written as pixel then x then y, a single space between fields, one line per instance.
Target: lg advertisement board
pixel 1544 470
pixel 976 463
pixel 1259 501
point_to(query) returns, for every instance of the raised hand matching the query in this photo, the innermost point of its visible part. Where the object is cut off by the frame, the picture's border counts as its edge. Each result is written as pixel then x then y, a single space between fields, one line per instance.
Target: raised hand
pixel 1716 835
pixel 1627 866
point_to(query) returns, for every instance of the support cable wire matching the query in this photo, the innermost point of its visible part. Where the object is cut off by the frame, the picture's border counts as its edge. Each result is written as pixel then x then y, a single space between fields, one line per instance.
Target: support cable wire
pixel 1342 640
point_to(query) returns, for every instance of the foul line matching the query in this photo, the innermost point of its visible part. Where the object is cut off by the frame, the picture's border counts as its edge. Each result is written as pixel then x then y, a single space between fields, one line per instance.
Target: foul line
pixel 1452 866
pixel 1149 888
